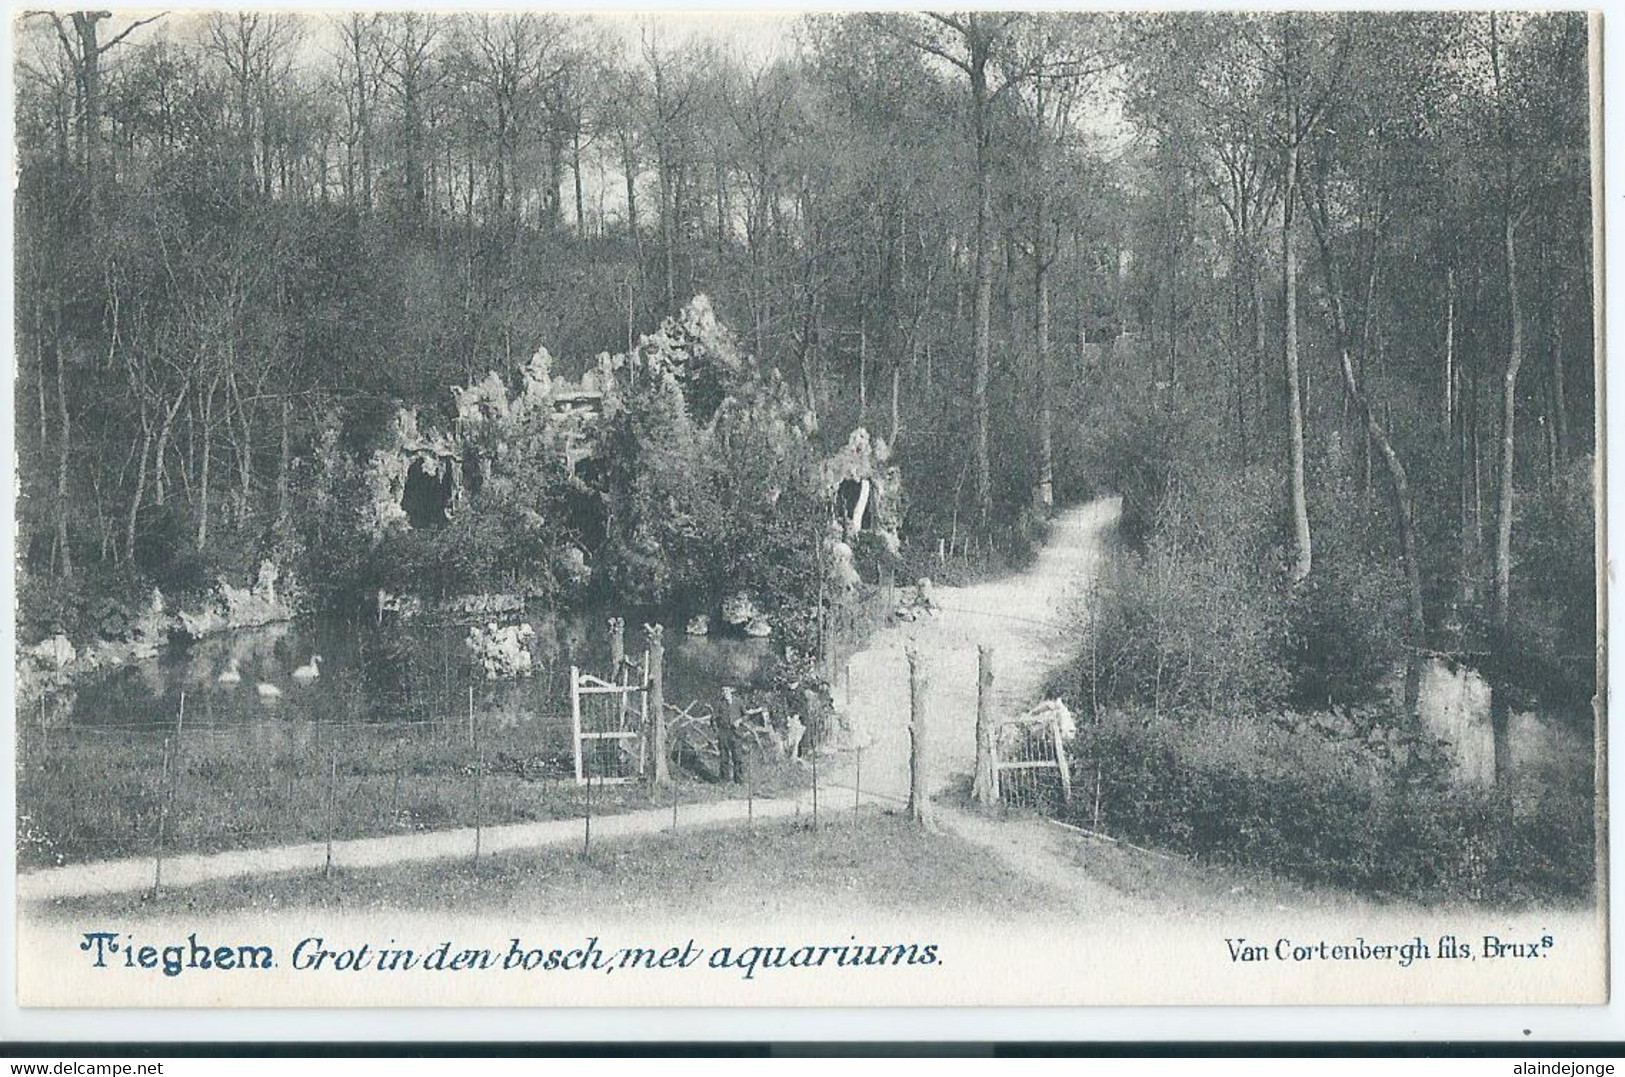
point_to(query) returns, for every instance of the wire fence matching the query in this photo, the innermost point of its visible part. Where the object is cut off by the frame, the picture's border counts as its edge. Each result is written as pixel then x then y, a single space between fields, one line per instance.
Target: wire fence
pixel 89 793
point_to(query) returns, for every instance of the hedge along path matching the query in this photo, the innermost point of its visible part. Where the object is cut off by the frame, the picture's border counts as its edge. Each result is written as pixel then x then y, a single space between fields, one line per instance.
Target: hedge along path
pixel 1027 618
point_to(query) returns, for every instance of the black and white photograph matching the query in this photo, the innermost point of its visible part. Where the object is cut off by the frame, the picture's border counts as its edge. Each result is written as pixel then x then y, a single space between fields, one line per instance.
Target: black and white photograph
pixel 535 508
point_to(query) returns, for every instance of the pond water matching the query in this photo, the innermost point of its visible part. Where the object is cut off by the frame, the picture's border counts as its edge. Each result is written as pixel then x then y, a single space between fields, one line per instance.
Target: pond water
pixel 1545 744
pixel 395 673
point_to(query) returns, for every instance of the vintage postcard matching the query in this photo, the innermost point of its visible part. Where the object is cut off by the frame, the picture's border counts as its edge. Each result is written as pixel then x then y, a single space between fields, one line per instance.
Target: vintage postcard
pixel 824 509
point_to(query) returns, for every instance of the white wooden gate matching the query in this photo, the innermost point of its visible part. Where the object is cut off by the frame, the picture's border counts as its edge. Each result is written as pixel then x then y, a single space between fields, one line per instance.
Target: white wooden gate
pixel 608 720
pixel 1025 751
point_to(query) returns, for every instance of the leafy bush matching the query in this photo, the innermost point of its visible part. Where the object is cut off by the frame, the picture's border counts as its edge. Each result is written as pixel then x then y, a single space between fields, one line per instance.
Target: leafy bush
pixel 1359 807
pixel 1197 616
pixel 94 603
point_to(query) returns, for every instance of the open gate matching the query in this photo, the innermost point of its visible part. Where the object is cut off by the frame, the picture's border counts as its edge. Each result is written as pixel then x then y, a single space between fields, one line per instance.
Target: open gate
pixel 1029 763
pixel 608 720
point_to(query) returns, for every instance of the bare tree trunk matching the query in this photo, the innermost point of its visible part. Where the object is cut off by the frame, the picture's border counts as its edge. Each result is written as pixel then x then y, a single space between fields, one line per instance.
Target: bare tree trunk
pixel 1041 350
pixel 140 492
pixel 39 370
pixel 575 167
pixel 65 438
pixel 1560 421
pixel 160 455
pixel 1260 342
pixel 1409 547
pixel 631 174
pixel 896 414
pixel 1509 414
pixel 245 450
pixel 863 371
pixel 982 334
pixel 1303 559
pixel 203 469
pixel 1450 347
pixel 282 462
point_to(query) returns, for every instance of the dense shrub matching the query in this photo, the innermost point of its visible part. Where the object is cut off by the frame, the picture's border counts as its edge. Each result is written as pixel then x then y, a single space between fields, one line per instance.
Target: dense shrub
pixel 1351 806
pixel 1196 616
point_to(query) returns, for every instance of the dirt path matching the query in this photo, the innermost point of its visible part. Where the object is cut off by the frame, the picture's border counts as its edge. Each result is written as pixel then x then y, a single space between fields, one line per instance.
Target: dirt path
pixel 134 874
pixel 1025 618
pixel 1029 620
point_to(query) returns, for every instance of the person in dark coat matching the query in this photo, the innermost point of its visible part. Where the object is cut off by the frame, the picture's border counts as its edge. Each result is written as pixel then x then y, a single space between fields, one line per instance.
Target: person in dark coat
pixel 730 727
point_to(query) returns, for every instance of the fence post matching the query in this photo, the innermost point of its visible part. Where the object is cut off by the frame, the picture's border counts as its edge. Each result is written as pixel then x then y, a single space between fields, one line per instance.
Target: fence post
pixel 332 807
pixel 857 782
pixel 586 834
pixel 479 798
pixel 657 704
pixel 1062 765
pixel 815 790
pixel 471 715
pixel 575 717
pixel 617 671
pixel 985 787
pixel 395 790
pixel 163 815
pixel 919 809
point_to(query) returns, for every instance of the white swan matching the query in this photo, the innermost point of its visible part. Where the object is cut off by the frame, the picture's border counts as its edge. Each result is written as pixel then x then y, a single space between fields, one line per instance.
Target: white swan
pixel 231 674
pixel 311 671
pixel 268 691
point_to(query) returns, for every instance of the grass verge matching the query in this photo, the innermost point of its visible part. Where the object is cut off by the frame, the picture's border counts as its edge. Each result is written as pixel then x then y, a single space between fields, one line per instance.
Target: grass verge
pixel 869 861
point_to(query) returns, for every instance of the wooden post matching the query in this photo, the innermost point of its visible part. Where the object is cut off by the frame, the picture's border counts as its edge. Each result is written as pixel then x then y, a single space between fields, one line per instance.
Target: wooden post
pixel 180 719
pixel 643 717
pixel 919 804
pixel 163 815
pixel 857 782
pixel 575 716
pixel 657 704
pixel 471 715
pixel 395 790
pixel 827 647
pixel 815 790
pixel 479 799
pixel 985 787
pixel 332 808
pixel 1061 763
pixel 586 835
pixel 617 666
pixel 617 648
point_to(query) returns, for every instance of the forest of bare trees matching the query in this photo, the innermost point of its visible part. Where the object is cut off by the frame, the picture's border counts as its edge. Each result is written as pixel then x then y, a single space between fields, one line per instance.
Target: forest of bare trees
pixel 1351 250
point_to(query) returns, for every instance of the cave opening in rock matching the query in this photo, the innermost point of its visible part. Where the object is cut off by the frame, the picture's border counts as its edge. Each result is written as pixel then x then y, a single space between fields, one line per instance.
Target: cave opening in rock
pixel 428 493
pixel 473 471
pixel 856 503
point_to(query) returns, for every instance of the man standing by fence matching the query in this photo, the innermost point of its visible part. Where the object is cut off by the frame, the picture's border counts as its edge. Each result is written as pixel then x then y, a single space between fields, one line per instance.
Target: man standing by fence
pixel 729 722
